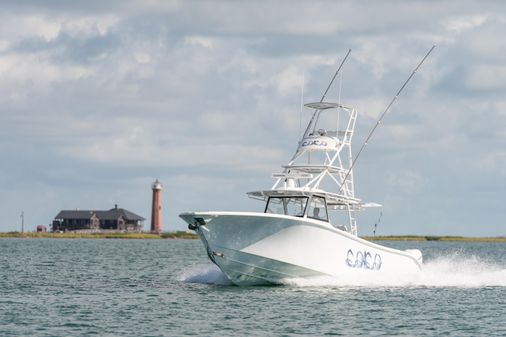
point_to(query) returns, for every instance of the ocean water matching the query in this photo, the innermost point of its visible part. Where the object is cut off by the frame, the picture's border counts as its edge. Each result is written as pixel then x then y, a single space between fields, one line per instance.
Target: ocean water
pixel 168 288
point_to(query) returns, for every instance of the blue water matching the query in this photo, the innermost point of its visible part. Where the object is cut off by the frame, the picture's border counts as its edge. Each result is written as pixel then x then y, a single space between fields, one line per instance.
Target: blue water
pixel 168 288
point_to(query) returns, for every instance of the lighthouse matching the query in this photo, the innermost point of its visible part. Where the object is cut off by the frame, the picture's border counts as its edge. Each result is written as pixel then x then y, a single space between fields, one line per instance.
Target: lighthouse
pixel 156 208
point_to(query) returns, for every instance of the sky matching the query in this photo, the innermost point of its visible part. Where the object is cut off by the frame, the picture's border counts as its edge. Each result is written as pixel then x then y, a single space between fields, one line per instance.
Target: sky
pixel 100 98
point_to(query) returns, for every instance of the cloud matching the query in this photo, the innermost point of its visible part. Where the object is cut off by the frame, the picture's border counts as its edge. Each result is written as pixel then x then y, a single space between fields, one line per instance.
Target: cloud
pixel 408 181
pixel 487 78
pixel 103 97
pixel 463 24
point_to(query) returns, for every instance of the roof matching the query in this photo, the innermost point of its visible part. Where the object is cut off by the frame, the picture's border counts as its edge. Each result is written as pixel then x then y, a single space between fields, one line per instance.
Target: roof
pixel 115 213
pixel 334 201
pixel 65 214
pixel 131 215
pixel 325 105
pixel 112 214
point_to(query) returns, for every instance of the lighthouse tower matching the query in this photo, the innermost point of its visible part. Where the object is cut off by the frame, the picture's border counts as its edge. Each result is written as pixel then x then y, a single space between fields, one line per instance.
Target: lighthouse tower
pixel 156 208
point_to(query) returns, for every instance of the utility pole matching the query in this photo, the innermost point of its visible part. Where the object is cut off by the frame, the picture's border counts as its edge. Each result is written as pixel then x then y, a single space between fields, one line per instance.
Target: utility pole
pixel 22 222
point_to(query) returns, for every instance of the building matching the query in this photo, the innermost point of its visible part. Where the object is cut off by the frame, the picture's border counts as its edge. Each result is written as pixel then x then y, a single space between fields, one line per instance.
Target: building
pixel 116 219
pixel 41 229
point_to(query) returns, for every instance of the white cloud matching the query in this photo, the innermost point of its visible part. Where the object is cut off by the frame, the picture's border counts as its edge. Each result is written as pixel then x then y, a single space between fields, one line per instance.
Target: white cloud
pixel 197 92
pixel 142 57
pixel 487 77
pixel 408 181
pixel 36 25
pixel 462 24
pixel 201 41
pixel 288 80
pixel 145 153
pixel 4 44
pixel 34 68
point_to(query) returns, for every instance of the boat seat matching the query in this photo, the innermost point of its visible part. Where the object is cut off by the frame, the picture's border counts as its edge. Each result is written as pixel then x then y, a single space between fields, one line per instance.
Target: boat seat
pixel 341 227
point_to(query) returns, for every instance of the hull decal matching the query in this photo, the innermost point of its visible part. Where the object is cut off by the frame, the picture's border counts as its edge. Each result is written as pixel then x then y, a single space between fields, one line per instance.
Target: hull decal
pixel 363 259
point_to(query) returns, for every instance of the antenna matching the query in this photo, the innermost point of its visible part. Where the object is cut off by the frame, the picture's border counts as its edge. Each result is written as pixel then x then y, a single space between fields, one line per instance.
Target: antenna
pixel 376 224
pixel 339 98
pixel 378 122
pixel 340 88
pixel 316 111
pixel 22 222
pixel 301 102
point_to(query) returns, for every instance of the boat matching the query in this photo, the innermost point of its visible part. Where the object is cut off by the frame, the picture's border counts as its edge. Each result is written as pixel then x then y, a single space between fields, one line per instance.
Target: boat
pixel 308 226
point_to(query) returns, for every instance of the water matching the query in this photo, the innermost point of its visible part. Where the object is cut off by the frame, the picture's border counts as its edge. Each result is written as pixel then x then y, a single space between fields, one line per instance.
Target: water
pixel 168 288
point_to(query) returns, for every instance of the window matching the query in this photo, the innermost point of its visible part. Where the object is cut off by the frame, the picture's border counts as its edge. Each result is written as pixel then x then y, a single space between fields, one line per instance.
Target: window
pixel 294 206
pixel 318 209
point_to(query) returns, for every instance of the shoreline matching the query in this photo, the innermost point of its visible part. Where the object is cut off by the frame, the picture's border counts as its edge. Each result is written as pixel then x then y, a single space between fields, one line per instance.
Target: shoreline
pixel 443 238
pixel 192 236
pixel 108 235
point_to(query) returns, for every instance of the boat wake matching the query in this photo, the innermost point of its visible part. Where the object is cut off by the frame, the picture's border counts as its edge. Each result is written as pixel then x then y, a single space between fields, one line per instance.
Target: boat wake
pixel 449 271
pixel 205 274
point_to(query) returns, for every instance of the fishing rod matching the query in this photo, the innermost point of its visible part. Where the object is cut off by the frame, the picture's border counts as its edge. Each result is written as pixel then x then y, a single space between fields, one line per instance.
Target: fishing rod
pixel 316 112
pixel 378 122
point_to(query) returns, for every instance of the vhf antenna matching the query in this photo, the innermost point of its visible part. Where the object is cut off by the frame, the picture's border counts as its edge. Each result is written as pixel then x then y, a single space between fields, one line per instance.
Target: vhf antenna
pixel 378 122
pixel 301 101
pixel 316 112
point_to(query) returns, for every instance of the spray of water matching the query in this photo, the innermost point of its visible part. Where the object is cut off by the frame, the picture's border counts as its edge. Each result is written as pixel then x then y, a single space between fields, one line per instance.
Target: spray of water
pixel 205 274
pixel 441 272
pixel 452 270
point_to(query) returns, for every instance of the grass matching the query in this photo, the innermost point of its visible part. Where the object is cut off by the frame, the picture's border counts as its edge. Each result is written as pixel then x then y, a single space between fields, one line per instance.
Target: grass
pixel 191 235
pixel 434 238
pixel 71 235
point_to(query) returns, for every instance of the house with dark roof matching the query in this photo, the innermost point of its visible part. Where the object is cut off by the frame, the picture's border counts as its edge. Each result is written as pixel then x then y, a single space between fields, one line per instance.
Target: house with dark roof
pixel 116 219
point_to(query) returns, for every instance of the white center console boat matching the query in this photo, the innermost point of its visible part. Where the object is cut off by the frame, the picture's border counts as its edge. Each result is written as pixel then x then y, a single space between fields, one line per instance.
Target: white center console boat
pixel 308 226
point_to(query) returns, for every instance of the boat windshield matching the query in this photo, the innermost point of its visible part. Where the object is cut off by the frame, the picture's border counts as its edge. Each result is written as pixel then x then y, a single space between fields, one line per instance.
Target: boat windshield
pixel 294 206
pixel 318 209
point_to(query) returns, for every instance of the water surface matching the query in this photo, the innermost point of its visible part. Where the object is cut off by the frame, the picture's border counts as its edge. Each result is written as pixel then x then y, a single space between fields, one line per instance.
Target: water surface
pixel 75 287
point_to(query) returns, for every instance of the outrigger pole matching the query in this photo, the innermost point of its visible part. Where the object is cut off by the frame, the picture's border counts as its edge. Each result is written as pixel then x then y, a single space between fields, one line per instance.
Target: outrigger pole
pixel 378 122
pixel 315 113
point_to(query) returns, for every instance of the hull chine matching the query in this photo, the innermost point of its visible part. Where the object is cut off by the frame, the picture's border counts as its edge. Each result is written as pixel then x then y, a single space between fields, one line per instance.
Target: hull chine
pixel 246 269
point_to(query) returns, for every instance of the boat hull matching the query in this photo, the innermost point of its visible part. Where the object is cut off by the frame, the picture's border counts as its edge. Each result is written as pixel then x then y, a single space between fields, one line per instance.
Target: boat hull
pixel 260 249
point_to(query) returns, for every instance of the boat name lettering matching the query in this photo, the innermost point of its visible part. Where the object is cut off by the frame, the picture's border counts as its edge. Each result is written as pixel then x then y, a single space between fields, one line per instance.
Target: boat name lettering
pixel 363 259
pixel 315 142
